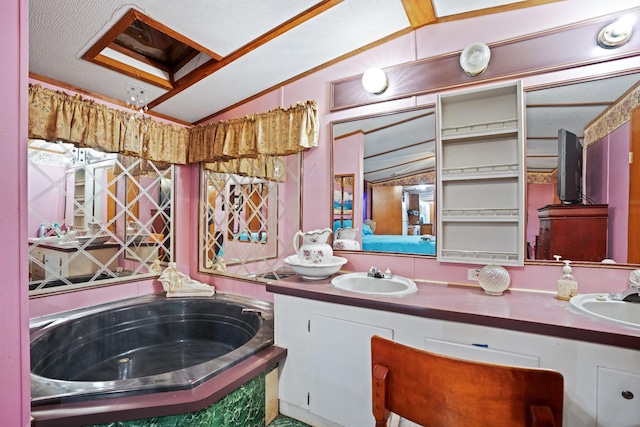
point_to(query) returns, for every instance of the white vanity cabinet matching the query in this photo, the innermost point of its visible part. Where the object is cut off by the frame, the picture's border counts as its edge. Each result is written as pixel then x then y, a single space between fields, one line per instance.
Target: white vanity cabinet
pixel 325 379
pixel 481 175
pixel 64 261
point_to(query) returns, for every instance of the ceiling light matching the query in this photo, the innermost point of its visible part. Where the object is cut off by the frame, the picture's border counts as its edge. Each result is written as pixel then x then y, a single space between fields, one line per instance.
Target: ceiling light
pixel 617 33
pixel 474 59
pixel 137 97
pixel 374 80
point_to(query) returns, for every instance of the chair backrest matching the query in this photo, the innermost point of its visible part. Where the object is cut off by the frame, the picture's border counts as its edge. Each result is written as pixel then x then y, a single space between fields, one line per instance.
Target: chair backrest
pixel 437 391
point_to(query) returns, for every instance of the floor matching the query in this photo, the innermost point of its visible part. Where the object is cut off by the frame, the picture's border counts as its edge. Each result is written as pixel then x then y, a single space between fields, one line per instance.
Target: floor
pixel 282 421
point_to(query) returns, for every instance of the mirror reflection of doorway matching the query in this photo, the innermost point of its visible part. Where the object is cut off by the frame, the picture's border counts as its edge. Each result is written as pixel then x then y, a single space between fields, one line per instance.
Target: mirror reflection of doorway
pixel 343 200
pixel 633 231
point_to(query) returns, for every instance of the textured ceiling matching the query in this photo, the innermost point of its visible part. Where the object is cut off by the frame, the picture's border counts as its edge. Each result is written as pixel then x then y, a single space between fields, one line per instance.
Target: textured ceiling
pixel 61 31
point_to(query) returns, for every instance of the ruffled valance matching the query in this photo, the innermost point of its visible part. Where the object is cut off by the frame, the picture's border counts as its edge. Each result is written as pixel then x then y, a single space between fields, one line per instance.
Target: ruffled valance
pixel 246 146
pixel 56 116
pixel 277 132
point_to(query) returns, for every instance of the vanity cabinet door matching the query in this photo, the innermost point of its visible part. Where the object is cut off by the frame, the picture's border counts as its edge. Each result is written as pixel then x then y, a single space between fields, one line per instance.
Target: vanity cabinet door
pixel 618 398
pixel 339 372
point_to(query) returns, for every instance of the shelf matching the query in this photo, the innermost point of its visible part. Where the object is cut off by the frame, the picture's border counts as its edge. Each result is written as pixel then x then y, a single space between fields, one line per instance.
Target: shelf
pixel 511 170
pixel 481 176
pixel 481 215
pixel 481 130
pixel 475 257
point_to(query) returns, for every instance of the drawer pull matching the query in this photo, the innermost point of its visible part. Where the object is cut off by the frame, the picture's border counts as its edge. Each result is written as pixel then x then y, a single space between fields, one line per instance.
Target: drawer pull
pixel 627 394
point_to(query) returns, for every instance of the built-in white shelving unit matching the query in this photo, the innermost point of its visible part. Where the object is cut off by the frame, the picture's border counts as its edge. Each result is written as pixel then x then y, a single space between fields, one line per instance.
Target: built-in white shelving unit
pixel 79 193
pixel 481 176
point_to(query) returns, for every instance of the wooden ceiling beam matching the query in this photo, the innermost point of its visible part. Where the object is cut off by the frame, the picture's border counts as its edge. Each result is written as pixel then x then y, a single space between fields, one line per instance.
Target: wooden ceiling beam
pixel 419 12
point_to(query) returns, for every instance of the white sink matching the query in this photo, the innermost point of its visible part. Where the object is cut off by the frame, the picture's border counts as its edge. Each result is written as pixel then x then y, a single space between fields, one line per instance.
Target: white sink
pixel 600 306
pixel 363 284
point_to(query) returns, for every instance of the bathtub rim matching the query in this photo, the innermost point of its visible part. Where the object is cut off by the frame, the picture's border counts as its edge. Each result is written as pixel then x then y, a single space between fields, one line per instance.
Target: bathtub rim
pixel 46 391
pixel 158 404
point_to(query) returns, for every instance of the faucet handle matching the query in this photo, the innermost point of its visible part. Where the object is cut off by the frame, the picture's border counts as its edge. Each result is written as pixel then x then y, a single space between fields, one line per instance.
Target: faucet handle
pixel 634 278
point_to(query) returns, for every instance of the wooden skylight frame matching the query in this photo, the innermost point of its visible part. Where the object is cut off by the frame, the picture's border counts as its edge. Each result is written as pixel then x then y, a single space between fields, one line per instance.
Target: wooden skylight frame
pixel 116 40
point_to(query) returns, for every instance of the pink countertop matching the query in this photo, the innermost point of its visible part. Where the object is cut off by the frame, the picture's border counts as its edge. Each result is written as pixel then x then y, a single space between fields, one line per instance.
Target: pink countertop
pixel 519 310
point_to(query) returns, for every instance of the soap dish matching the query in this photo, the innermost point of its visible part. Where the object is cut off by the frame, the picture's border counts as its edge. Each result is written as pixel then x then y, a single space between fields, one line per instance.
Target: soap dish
pixel 494 279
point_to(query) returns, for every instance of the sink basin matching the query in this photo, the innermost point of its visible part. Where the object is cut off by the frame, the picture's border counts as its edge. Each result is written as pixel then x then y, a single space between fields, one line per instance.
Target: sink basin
pixel 363 284
pixel 600 306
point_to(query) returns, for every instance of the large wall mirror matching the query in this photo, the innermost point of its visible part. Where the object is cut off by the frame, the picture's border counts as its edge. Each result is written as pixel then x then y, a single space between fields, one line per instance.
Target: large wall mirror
pixel 247 223
pixel 397 165
pixel 95 218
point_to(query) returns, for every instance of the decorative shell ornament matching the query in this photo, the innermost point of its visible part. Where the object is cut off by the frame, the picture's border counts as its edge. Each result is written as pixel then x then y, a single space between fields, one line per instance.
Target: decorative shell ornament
pixel 494 279
pixel 474 59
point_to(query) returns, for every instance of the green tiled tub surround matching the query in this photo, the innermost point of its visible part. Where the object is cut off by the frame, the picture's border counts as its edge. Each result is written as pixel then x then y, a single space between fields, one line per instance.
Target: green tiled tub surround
pixel 244 407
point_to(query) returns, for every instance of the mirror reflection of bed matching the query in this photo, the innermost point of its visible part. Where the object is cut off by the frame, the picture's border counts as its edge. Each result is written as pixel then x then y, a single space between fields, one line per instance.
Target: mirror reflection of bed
pixel 417 243
pixel 398 197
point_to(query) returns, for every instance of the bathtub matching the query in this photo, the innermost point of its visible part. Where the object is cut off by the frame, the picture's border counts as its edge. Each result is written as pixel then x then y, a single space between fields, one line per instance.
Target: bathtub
pixel 143 345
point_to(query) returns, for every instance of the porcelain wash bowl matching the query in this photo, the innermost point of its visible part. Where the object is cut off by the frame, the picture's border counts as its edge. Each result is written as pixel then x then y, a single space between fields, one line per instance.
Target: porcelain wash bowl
pixel 315 271
pixel 600 306
pixel 363 284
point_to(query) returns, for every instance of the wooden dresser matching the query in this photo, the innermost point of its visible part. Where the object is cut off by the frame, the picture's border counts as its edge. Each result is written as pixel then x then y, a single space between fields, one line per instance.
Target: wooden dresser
pixel 575 232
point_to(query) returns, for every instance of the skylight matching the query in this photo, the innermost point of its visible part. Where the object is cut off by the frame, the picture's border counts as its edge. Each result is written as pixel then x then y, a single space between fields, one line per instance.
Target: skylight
pixel 147 50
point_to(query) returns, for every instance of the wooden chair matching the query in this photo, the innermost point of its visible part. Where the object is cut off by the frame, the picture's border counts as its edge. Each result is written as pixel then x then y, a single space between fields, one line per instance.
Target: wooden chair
pixel 438 391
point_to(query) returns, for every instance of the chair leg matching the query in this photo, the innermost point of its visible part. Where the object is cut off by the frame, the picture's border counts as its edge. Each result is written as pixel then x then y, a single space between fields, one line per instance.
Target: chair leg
pixel 379 379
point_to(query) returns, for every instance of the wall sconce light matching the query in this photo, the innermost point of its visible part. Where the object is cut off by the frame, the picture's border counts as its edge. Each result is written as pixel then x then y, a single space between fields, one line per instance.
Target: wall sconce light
pixel 474 59
pixel 617 33
pixel 374 80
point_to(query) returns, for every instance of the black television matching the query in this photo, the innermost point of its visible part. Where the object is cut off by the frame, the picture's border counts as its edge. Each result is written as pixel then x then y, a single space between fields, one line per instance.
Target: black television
pixel 569 168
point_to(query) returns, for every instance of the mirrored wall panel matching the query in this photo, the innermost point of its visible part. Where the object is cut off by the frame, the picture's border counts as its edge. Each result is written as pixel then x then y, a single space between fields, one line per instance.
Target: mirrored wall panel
pixel 247 223
pixel 94 217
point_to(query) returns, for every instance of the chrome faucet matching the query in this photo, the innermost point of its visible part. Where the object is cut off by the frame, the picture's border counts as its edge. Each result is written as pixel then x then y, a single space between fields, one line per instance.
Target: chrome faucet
pixel 632 293
pixel 374 272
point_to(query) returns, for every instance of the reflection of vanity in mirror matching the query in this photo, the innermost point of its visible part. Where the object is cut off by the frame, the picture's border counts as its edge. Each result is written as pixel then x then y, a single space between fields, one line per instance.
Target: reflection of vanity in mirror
pixel 92 216
pixel 398 160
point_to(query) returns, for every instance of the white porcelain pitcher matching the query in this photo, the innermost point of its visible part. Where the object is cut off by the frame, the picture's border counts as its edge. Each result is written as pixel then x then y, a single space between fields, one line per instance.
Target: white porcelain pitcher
pixel 315 249
pixel 346 239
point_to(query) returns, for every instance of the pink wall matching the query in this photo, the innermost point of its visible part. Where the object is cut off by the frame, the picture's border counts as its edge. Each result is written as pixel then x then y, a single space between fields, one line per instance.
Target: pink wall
pixel 14 308
pixel 349 159
pixel 607 179
pixel 619 192
pixel 49 204
pixel 538 195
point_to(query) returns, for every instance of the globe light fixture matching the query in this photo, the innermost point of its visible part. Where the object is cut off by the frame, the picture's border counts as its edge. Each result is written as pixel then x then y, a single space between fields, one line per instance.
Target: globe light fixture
pixel 374 81
pixel 617 33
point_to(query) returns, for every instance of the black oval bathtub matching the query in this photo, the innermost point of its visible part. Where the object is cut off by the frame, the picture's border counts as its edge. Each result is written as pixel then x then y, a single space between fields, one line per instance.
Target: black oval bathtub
pixel 143 345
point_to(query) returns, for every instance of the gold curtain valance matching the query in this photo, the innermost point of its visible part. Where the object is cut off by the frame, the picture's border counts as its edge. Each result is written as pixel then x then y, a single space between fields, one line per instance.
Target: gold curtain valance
pixel 261 166
pixel 249 145
pixel 56 116
pixel 277 132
